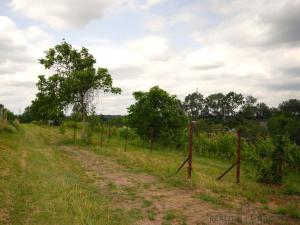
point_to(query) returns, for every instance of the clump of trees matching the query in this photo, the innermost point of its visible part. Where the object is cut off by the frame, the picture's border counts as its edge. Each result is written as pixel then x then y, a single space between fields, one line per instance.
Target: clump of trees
pixel 221 106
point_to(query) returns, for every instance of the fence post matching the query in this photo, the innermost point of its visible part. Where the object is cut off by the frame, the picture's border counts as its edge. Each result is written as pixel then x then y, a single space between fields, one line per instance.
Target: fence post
pixel 190 149
pixel 238 156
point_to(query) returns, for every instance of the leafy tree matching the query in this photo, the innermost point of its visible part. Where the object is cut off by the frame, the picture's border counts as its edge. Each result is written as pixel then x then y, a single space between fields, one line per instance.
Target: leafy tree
pixel 82 86
pixel 75 82
pixel 263 111
pixel 291 106
pixel 214 104
pixel 285 125
pixel 63 59
pixel 194 104
pixel 249 109
pixel 230 103
pixel 157 116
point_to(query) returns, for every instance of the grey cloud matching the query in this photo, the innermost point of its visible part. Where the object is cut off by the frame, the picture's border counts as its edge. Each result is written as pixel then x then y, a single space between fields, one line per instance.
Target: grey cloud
pixel 63 13
pixel 291 71
pixel 284 22
pixel 284 86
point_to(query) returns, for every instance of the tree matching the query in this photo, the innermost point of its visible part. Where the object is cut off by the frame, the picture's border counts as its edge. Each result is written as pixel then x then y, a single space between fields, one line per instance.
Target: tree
pixel 285 125
pixel 230 103
pixel 80 87
pixel 64 59
pixel 157 116
pixel 249 110
pixel 214 104
pixel 291 106
pixel 75 82
pixel 263 111
pixel 193 105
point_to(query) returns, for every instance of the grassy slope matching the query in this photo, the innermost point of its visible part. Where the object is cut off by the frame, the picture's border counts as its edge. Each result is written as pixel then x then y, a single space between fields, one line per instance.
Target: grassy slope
pixel 41 185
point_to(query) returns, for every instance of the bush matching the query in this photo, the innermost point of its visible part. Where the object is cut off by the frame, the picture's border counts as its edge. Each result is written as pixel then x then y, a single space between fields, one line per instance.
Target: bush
pixel 219 145
pixel 5 127
pixel 87 133
pixel 274 157
pixel 131 134
pixel 16 123
pixel 62 128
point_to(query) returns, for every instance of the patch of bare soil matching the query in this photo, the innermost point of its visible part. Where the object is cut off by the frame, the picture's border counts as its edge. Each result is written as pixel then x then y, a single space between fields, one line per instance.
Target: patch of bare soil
pixel 162 205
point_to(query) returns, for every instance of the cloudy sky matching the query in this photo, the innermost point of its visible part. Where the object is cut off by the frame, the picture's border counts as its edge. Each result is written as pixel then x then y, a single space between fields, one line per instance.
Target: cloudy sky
pixel 251 47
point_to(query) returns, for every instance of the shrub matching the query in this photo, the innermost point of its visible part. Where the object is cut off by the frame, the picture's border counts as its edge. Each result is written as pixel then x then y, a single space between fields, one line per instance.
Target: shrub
pixel 7 128
pixel 16 123
pixel 217 144
pixel 131 134
pixel 274 156
pixel 87 133
pixel 62 128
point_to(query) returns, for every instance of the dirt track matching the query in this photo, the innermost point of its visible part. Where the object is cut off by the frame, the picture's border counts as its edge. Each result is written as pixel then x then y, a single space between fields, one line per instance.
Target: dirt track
pixel 160 204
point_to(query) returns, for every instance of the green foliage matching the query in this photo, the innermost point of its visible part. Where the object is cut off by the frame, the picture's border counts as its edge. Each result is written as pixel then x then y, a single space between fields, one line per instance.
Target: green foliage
pixel 292 106
pixel 75 83
pixel 62 128
pixel 275 156
pixel 193 105
pixel 16 123
pixel 87 133
pixel 291 210
pixel 283 124
pixel 220 145
pixel 157 115
pixel 5 127
pixel 127 131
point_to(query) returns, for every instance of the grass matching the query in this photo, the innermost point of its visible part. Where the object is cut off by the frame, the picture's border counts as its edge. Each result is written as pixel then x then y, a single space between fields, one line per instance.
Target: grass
pixel 41 185
pixel 291 210
pixel 174 215
pixel 211 199
pixel 163 165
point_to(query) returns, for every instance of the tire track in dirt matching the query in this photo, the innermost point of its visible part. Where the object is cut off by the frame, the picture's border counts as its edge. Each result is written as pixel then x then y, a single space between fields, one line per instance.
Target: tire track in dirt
pixel 142 191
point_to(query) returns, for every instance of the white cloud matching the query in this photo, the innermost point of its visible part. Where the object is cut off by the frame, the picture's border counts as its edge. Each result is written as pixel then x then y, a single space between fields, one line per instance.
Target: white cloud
pixel 19 68
pixel 151 47
pixel 62 14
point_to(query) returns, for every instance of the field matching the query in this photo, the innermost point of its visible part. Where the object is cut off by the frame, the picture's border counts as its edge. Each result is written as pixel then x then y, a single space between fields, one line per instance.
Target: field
pixel 46 178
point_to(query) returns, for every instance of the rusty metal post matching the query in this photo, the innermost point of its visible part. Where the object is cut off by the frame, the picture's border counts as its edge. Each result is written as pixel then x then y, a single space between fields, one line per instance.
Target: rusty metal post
pixel 190 149
pixel 238 156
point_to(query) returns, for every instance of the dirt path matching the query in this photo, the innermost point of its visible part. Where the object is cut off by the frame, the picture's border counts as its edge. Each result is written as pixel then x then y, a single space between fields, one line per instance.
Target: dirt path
pixel 157 203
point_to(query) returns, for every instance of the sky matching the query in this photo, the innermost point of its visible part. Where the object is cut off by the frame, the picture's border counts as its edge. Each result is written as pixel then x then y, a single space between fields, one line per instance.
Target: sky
pixel 250 47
